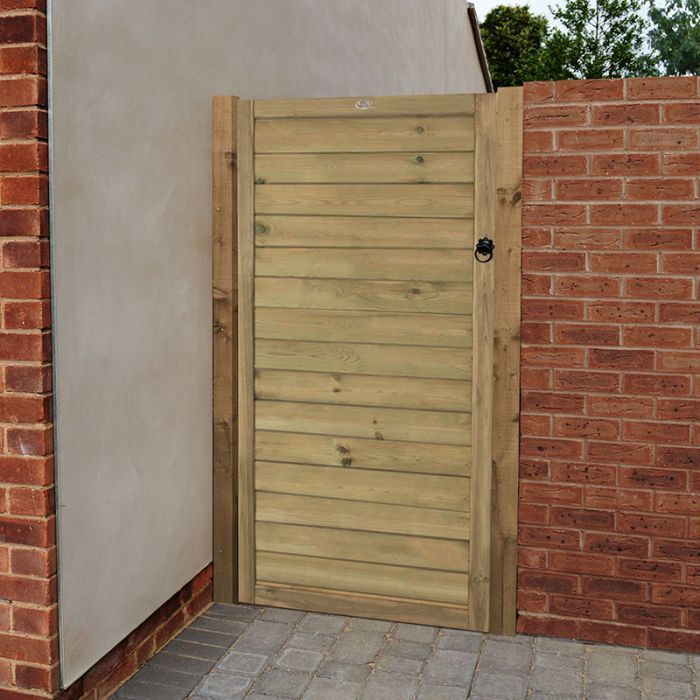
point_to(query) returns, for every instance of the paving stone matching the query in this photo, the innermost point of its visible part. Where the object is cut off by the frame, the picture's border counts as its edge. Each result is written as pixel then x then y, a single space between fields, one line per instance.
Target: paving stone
pixel 243 663
pixel 550 695
pixel 565 647
pixel 409 650
pixel 666 657
pixel 241 613
pixel 311 642
pixel 389 686
pixel 344 671
pixel 361 624
pixel 659 669
pixel 331 689
pixel 499 686
pixel 299 659
pixel 357 647
pixel 282 683
pixel 557 662
pixel 454 668
pixel 197 651
pixel 498 656
pixel 223 685
pixel 666 689
pixel 457 640
pixel 611 665
pixel 605 691
pixel 441 692
pixel 215 639
pixel 155 675
pixel 322 624
pixel 415 633
pixel 556 681
pixel 184 664
pixel 135 690
pixel 399 664
pixel 212 623
pixel 265 637
pixel 291 617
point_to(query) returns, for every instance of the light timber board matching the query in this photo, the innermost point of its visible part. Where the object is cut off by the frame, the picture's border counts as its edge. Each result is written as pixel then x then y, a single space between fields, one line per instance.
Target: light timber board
pixel 448 428
pixel 361 515
pixel 363 232
pixel 358 358
pixel 369 263
pixel 364 167
pixel 449 201
pixel 360 577
pixel 361 453
pixel 342 135
pixel 363 390
pixel 418 490
pixel 364 295
pixel 368 108
pixel 364 327
pixel 354 545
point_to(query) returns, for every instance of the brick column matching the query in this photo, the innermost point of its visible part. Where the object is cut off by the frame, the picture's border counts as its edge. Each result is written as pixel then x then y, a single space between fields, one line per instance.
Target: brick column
pixel 610 489
pixel 28 615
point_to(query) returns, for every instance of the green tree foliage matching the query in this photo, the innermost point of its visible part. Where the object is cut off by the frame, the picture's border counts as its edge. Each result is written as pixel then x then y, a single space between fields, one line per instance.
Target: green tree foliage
pixel 675 36
pixel 599 39
pixel 514 40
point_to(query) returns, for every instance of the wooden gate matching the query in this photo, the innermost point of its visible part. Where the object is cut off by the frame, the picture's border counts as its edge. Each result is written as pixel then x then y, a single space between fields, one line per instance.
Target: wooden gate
pixel 367 483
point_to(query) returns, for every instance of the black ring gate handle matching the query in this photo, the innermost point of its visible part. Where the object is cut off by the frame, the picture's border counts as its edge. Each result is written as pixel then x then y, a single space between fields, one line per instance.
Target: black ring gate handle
pixel 484 250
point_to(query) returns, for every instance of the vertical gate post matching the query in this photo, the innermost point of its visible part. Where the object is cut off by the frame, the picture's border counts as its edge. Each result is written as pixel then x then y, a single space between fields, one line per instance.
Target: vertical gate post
pixel 225 346
pixel 506 389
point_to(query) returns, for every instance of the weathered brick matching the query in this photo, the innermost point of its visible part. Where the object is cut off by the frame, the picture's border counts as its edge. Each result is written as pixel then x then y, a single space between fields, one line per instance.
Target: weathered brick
pixel 663 139
pixel 682 113
pixel 625 164
pixel 623 214
pixel 624 114
pixel 590 139
pixel 658 188
pixel 589 90
pixel 662 88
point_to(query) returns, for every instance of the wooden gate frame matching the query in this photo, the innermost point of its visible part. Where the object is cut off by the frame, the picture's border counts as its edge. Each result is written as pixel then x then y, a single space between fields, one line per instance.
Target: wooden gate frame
pixel 499 197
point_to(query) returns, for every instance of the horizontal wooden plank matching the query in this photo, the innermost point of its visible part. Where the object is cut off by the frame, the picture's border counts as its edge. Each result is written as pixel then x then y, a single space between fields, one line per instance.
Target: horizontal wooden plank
pixel 359 577
pixel 351 545
pixel 368 106
pixel 366 263
pixel 358 358
pixel 363 232
pixel 366 200
pixel 414 167
pixel 363 390
pixel 364 295
pixel 341 135
pixel 362 453
pixel 358 515
pixel 399 488
pixel 367 422
pixel 438 330
pixel 361 605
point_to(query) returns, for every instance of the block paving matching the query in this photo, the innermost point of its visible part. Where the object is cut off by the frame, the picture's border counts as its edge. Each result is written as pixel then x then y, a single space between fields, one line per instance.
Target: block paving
pixel 239 651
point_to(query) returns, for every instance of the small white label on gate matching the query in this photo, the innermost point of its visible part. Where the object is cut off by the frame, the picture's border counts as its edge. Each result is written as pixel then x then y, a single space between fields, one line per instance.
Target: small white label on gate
pixel 364 104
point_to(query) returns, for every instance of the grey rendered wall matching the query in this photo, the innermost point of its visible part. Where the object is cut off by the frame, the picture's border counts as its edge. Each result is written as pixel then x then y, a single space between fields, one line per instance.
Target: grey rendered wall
pixel 132 82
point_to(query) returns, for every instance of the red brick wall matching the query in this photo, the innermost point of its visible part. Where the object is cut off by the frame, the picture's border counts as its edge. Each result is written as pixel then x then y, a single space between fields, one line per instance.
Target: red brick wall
pixel 610 448
pixel 28 634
